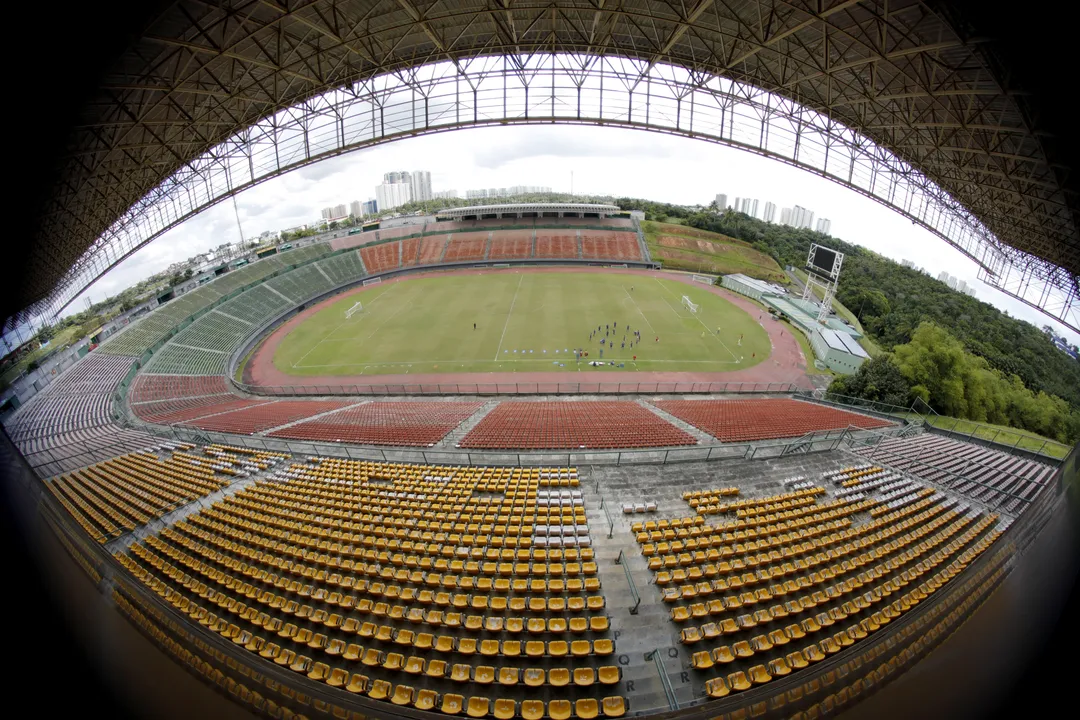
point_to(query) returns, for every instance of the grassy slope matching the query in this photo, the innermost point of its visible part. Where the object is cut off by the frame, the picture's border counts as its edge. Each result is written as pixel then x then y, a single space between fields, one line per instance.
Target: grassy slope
pixel 59 342
pixel 707 252
pixel 867 343
pixel 1001 434
pixel 425 325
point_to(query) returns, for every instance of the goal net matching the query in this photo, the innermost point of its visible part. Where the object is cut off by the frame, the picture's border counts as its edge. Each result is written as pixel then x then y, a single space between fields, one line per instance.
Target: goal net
pixel 690 304
pixel 358 307
pixel 703 279
pixel 373 281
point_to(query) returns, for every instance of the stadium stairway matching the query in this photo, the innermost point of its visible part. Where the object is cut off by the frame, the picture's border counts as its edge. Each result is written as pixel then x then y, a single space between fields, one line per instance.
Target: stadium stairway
pixel 446 246
pixel 307 418
pixel 454 436
pixel 487 246
pixel 703 437
pixel 641 241
pixel 577 236
pixel 170 518
pixel 532 250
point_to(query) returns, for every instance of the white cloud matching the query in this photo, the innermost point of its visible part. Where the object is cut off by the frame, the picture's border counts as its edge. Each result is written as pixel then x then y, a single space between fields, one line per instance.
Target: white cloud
pixel 600 160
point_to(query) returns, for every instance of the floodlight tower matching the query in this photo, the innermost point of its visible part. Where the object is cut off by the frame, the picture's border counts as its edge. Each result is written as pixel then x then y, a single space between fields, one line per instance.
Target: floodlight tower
pixel 823 271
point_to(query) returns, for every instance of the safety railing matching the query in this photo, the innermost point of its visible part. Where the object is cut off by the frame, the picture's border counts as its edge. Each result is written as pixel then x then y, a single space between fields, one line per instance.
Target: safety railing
pixel 621 561
pixel 599 387
pixel 665 682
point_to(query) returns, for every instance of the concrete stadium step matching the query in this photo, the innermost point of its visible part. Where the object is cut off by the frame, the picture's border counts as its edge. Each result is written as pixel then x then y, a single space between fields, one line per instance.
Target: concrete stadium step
pixel 454 436
pixel 446 244
pixel 703 437
pixel 308 418
pixel 577 236
pixel 532 250
pixel 487 246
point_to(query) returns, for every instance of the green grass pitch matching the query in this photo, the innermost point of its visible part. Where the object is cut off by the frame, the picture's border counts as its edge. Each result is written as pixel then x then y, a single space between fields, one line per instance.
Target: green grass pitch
pixel 525 322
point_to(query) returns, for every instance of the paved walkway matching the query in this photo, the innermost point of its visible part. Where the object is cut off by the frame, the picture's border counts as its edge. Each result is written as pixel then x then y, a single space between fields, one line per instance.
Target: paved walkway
pixel 785 364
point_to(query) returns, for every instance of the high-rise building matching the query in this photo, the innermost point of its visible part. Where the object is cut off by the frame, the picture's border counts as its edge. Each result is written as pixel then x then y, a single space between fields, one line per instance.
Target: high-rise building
pixel 801 217
pixel 907 263
pixel 824 225
pixel 785 216
pixel 356 208
pixel 334 213
pixel 396 190
pixel 398 176
pixel 961 286
pixel 421 186
pixel 753 208
pixel 943 276
pixel 445 195
pixel 370 207
pixel 721 202
pixel 770 212
pixel 951 282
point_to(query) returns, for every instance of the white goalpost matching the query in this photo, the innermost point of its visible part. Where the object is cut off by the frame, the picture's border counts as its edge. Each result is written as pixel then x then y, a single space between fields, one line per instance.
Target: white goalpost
pixel 373 281
pixel 690 304
pixel 358 307
pixel 708 280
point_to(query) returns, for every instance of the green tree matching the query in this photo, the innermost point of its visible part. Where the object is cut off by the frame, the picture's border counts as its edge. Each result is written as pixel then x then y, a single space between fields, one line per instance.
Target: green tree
pixel 878 379
pixel 45 334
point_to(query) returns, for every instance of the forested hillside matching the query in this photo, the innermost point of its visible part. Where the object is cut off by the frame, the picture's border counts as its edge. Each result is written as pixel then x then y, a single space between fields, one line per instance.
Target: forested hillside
pixel 892 301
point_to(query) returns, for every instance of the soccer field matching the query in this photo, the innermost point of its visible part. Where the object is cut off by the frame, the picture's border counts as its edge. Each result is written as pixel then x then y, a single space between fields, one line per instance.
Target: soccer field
pixel 525 322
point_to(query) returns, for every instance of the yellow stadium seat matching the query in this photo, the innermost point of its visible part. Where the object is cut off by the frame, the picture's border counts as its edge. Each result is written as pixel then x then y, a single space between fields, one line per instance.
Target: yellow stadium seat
pixel 534 677
pixel 614 706
pixel 425 699
pixel 559 709
pixel 738 681
pixel 716 687
pixel 357 683
pixel 532 709
pixel 558 677
pixel 586 708
pixel 452 704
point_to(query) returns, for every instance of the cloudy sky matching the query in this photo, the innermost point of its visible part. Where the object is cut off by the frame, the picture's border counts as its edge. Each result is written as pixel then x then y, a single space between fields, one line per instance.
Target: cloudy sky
pixel 613 161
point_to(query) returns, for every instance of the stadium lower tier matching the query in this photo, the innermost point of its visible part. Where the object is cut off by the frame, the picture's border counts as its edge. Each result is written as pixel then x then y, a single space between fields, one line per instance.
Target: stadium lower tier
pixel 508 425
pixel 488 592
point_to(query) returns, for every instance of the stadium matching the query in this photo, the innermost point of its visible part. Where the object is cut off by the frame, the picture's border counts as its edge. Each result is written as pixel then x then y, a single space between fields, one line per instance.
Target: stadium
pixel 502 462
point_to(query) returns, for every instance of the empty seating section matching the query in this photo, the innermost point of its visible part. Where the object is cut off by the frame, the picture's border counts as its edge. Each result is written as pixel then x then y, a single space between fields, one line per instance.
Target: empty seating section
pixel 511 244
pixel 385 423
pixel 431 249
pixel 615 222
pixel 300 284
pixel 68 424
pixel 433 587
pixel 181 359
pixel 556 245
pixel 410 250
pixel 256 305
pixel 573 424
pixel 787 580
pixel 116 496
pixel 610 246
pixel 343 267
pixel 743 420
pixel 143 334
pixel 466 246
pixel 998 478
pixel 213 331
pixel 256 418
pixel 168 412
pixel 380 258
pixel 150 388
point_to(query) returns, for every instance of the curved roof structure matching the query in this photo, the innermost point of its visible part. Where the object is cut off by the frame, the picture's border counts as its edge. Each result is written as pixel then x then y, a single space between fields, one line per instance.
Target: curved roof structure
pixel 908 76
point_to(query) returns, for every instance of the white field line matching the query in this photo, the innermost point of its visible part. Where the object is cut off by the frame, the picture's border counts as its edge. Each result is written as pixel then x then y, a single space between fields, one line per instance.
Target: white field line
pixel 369 335
pixel 335 329
pixel 638 307
pixel 707 330
pixel 508 314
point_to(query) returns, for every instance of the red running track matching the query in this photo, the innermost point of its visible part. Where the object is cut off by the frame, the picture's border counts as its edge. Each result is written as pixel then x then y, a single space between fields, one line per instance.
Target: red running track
pixel 411 424
pixel 564 425
pixel 743 420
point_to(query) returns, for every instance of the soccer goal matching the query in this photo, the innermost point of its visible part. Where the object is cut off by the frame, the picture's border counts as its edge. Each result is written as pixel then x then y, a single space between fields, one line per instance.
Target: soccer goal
pixel 373 281
pixel 358 307
pixel 708 280
pixel 690 304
